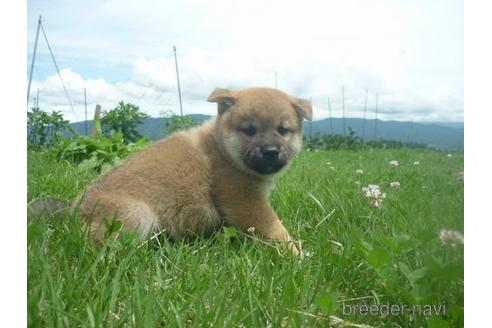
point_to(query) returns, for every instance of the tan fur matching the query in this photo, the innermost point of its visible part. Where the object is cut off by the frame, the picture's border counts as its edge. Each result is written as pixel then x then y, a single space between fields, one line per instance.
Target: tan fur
pixel 193 182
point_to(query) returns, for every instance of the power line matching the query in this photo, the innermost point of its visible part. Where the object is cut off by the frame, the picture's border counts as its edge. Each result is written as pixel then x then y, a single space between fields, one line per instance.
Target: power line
pixel 152 84
pixel 151 87
pixel 52 91
pixel 56 66
pixel 201 80
pixel 191 70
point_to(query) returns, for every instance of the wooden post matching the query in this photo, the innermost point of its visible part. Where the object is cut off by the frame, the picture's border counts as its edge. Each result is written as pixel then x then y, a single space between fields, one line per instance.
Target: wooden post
pixel 96 132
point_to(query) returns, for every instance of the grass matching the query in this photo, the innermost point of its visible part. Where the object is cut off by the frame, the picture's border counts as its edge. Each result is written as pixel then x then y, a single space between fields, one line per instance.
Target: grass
pixel 358 256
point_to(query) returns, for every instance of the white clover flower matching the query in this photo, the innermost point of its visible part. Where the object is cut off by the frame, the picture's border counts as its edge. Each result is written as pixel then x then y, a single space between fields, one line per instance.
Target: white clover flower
pixel 451 237
pixel 251 230
pixel 371 190
pixel 394 163
pixel 395 184
pixel 359 172
pixel 374 194
pixel 416 163
pixel 450 155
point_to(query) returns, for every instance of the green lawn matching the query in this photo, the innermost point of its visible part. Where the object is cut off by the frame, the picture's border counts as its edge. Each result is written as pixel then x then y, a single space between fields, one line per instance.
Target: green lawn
pixel 358 256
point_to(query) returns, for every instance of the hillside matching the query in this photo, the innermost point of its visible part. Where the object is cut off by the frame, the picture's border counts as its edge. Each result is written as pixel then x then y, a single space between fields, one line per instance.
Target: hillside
pixel 439 135
pixel 435 135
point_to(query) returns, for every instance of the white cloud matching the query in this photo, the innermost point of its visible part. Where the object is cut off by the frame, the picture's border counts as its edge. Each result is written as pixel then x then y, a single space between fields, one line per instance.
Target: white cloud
pixel 408 52
pixel 153 87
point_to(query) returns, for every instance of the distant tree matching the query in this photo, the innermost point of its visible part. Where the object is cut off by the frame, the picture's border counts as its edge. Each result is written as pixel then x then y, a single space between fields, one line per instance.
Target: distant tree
pixel 353 140
pixel 44 129
pixel 176 122
pixel 125 118
pixel 315 141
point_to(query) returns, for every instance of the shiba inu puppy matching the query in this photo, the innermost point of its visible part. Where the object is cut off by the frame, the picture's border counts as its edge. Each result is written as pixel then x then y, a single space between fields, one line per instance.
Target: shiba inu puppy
pixel 220 173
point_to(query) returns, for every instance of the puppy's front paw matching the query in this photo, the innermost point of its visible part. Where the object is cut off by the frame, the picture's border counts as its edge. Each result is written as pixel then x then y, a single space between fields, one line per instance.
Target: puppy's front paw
pixel 293 247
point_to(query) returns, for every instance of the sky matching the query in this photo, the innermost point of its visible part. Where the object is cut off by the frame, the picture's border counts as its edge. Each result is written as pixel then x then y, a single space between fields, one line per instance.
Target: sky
pixel 407 54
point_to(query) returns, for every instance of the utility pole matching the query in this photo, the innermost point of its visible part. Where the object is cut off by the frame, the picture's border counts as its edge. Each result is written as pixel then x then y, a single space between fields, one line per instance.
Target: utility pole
pixel 376 122
pixel 364 121
pixel 85 105
pixel 177 77
pixel 57 69
pixel 331 117
pixel 33 59
pixel 343 108
pixel 37 98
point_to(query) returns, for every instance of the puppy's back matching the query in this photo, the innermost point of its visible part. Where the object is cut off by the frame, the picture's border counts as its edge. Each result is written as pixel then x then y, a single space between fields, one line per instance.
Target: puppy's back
pixel 172 178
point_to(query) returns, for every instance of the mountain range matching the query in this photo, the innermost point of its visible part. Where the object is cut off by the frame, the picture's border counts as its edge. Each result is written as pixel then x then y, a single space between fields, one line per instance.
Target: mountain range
pixel 438 135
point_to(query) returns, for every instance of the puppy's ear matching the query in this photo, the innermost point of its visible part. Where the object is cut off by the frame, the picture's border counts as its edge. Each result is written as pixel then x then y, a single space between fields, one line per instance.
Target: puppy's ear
pixel 303 107
pixel 224 99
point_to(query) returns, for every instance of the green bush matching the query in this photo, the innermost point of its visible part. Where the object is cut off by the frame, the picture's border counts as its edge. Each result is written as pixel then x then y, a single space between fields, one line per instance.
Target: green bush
pixel 175 123
pixel 96 154
pixel 336 141
pixel 44 129
pixel 124 118
pixel 393 144
pixel 352 141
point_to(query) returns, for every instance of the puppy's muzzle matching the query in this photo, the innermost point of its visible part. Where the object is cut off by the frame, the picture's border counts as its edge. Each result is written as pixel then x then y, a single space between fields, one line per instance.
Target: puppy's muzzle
pixel 270 153
pixel 266 159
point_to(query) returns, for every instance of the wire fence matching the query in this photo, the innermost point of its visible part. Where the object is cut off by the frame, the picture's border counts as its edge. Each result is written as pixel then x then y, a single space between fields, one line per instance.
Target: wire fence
pixel 350 105
pixel 83 102
pixel 78 104
pixel 81 106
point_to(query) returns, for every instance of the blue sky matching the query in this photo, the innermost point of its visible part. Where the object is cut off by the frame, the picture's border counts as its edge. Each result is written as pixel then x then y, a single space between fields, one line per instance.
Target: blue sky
pixel 408 52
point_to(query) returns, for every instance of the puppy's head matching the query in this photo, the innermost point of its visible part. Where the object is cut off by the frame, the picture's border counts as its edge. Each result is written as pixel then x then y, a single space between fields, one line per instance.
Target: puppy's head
pixel 259 129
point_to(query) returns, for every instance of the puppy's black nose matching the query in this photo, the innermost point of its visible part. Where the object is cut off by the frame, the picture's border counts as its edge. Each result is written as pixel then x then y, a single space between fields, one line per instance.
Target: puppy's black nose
pixel 270 152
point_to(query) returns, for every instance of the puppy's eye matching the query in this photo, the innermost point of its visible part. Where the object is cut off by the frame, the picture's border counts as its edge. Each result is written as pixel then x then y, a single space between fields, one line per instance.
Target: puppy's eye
pixel 249 131
pixel 282 131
